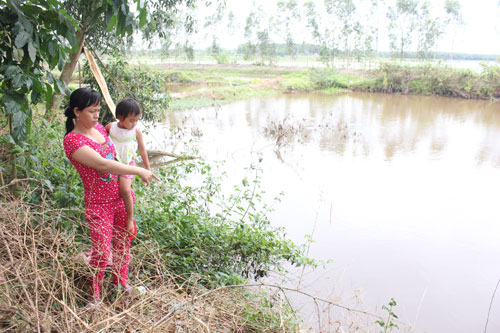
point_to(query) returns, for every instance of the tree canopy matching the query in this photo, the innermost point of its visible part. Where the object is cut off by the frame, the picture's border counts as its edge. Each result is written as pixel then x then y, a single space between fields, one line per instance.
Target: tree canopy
pixel 33 34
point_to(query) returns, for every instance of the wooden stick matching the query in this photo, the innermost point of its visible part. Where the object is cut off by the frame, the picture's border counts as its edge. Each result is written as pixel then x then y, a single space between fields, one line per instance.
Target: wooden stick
pixel 100 81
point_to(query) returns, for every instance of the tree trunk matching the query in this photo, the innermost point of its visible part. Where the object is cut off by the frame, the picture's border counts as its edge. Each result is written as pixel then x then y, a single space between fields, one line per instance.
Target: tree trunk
pixel 67 72
pixel 70 66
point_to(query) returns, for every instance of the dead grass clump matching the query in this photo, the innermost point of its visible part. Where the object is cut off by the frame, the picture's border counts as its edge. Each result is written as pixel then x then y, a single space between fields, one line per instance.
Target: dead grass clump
pixel 44 285
pixel 286 132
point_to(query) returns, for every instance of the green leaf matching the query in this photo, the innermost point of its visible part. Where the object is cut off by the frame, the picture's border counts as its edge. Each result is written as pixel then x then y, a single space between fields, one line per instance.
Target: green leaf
pixel 53 61
pixel 28 82
pixel 143 16
pixel 37 86
pixel 18 81
pixel 31 51
pixel 8 138
pixel 49 185
pixel 18 54
pixel 11 72
pixel 19 127
pixel 26 24
pixel 112 23
pixel 71 38
pixel 11 106
pixel 52 47
pixel 36 97
pixel 60 86
pixel 48 95
pixel 21 39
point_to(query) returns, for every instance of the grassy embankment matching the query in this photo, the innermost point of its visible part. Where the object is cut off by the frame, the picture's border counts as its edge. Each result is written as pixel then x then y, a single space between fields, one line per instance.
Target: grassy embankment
pixel 212 85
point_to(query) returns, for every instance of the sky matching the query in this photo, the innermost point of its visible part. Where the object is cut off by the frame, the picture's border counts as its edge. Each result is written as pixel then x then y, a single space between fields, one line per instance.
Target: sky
pixel 479 34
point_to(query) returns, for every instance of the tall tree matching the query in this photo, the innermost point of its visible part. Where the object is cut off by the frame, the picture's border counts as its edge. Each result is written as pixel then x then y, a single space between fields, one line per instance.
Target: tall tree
pixel 258 28
pixel 429 30
pixel 94 19
pixel 453 19
pixel 267 49
pixel 343 12
pixel 372 26
pixel 325 34
pixel 289 16
pixel 102 21
pixel 250 47
pixel 402 24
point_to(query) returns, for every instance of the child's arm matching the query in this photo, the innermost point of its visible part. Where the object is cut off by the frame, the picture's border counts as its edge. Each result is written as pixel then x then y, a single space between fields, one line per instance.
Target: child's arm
pixel 142 149
pixel 108 127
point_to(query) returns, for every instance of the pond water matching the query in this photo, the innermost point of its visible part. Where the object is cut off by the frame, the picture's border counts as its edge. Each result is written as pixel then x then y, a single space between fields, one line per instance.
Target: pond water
pixel 400 193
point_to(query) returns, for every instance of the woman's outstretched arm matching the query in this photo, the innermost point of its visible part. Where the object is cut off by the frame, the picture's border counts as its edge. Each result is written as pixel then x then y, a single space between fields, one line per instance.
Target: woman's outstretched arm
pixel 89 157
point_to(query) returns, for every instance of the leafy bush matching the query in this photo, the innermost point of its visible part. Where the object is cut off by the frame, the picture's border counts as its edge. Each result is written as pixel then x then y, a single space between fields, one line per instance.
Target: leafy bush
pixel 222 59
pixel 428 79
pixel 222 238
pixel 143 84
pixel 298 81
pixel 324 79
pixel 57 182
pixel 179 77
pixel 491 77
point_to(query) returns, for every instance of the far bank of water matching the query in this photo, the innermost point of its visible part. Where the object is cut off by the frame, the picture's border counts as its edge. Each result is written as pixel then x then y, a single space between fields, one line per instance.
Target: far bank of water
pixel 400 192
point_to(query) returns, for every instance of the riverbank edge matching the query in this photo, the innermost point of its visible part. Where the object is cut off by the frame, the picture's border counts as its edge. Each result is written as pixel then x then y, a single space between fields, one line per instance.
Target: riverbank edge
pixel 54 297
pixel 216 85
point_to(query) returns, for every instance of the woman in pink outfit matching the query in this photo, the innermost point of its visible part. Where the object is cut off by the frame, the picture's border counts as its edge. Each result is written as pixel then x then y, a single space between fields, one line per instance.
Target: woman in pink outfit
pixel 90 150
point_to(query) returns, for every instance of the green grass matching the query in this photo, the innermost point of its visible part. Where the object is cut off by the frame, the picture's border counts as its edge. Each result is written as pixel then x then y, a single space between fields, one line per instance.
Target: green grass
pixel 219 96
pixel 298 81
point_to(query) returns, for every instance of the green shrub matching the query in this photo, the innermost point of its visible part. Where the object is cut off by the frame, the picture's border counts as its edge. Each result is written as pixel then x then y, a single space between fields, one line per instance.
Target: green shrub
pixel 429 79
pixel 201 230
pixel 298 81
pixel 57 180
pixel 222 59
pixel 178 77
pixel 327 78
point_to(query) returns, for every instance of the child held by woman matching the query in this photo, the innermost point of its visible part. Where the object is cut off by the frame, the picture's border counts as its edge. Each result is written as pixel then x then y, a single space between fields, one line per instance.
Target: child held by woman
pixel 127 139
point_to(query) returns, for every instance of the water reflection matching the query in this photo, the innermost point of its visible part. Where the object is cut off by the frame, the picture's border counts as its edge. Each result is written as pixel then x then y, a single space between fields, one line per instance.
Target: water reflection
pixel 365 124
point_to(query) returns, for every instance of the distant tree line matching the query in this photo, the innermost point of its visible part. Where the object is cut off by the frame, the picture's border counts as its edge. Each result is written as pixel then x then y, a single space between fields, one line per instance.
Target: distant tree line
pixel 282 49
pixel 347 30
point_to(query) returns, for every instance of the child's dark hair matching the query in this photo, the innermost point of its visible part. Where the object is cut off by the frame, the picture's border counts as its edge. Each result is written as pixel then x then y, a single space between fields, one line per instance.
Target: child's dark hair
pixel 80 98
pixel 127 107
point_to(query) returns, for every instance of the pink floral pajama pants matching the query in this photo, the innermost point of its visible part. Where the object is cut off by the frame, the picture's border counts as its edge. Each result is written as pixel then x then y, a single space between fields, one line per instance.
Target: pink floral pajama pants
pixel 108 223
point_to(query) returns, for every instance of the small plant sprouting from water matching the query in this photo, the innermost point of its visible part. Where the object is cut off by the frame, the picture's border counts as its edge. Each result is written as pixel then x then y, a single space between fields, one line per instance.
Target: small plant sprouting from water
pixel 285 132
pixel 389 324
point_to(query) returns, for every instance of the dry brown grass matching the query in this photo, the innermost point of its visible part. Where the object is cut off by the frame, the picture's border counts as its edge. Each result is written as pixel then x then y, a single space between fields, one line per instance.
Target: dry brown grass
pixel 44 285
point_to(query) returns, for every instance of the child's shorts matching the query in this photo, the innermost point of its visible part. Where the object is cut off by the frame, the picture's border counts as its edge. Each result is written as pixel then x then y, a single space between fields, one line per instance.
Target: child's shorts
pixel 132 163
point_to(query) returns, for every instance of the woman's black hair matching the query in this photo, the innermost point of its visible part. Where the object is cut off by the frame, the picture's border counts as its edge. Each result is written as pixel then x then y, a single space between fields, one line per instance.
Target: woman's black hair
pixel 80 98
pixel 127 107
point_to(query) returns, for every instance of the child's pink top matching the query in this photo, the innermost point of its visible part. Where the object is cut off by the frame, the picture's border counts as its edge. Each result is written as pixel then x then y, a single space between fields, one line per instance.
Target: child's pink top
pixel 99 187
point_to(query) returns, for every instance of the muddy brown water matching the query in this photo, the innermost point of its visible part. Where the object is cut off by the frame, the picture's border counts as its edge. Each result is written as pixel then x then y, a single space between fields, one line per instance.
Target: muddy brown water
pixel 400 193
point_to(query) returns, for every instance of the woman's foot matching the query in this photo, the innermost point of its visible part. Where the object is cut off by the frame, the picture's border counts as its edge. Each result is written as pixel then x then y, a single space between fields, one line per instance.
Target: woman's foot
pixel 93 304
pixel 139 290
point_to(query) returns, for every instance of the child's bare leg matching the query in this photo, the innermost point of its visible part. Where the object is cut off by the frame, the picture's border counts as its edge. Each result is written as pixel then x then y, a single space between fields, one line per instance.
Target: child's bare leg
pixel 125 193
